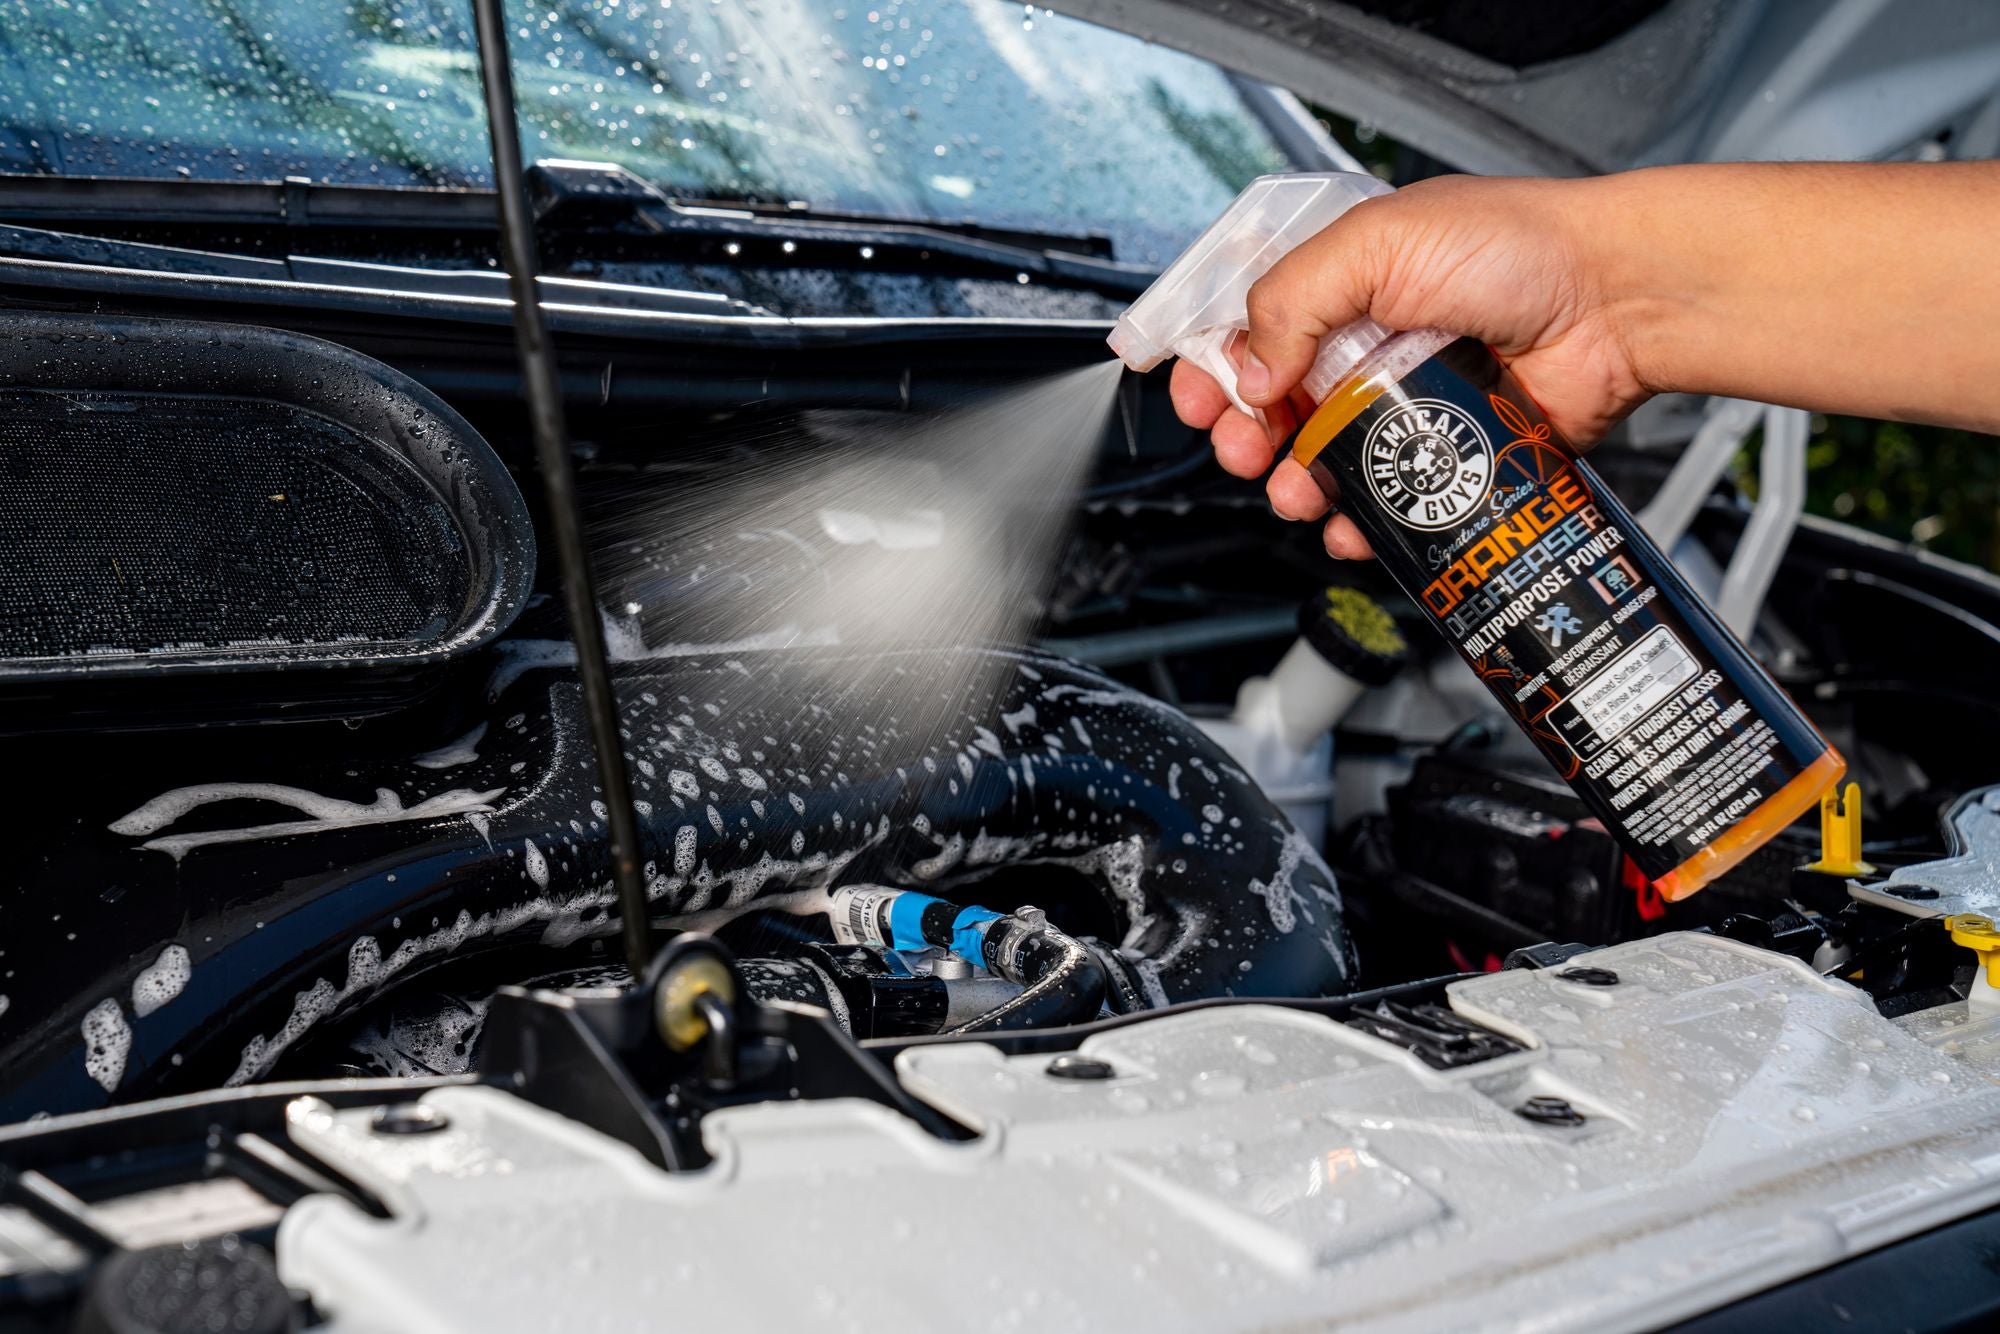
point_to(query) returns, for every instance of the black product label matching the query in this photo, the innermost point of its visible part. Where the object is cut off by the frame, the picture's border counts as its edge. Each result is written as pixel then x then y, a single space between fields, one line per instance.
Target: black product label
pixel 1586 634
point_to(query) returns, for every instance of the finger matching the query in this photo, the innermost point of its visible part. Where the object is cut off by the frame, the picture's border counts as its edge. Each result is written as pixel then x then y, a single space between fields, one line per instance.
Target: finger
pixel 1198 399
pixel 1281 419
pixel 1323 285
pixel 1293 492
pixel 1344 541
pixel 1241 446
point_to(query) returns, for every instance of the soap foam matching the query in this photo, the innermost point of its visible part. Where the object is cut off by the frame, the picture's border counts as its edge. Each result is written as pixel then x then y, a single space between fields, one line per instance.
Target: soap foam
pixel 107 1040
pixel 161 981
pixel 325 812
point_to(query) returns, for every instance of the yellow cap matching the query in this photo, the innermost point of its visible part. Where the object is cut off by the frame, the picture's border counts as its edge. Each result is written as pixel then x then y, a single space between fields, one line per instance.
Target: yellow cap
pixel 1840 833
pixel 680 1024
pixel 1979 935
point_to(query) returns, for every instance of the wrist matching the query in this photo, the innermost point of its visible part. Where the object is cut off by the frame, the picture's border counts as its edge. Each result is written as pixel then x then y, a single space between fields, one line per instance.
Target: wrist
pixel 1636 275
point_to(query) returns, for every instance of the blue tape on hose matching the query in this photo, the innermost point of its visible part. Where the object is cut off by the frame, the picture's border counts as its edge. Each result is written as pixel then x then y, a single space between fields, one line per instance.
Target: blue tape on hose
pixel 968 942
pixel 906 921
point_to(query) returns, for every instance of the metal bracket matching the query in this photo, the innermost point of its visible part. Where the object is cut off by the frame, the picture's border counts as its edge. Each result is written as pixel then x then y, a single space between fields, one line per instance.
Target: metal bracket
pixel 1781 482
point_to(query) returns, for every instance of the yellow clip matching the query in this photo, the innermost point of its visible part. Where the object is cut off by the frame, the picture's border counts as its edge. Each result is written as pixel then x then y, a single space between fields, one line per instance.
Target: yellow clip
pixel 1979 935
pixel 1840 833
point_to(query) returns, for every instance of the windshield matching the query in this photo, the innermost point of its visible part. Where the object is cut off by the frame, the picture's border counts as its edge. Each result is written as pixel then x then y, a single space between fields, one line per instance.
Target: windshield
pixel 918 109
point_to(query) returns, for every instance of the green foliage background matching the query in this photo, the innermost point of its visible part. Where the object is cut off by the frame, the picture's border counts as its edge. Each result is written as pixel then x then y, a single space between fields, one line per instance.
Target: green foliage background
pixel 1936 487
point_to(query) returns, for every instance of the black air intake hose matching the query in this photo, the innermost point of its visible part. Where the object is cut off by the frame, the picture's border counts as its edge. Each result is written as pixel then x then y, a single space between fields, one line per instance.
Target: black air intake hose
pixel 257 890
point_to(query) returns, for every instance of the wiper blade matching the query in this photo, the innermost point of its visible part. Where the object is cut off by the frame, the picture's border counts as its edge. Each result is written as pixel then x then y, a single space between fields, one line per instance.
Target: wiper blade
pixel 604 194
pixel 295 201
pixel 73 248
pixel 578 199
pixel 1084 245
pixel 104 252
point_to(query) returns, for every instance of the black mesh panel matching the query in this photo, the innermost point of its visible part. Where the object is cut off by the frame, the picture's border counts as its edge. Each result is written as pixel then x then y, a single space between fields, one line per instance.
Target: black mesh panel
pixel 147 524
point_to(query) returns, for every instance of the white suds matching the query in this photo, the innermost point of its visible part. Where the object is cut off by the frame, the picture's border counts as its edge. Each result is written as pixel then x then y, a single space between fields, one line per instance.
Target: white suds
pixel 326 812
pixel 1149 982
pixel 1280 897
pixel 462 751
pixel 948 856
pixel 1018 719
pixel 910 530
pixel 107 1039
pixel 537 864
pixel 162 981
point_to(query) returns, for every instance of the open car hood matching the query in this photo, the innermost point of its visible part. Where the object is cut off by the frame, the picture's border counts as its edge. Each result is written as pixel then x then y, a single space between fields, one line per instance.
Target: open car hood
pixel 1576 86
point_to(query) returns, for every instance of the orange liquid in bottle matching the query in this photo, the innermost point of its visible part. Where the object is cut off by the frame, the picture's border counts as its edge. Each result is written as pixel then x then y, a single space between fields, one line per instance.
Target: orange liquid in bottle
pixel 1449 470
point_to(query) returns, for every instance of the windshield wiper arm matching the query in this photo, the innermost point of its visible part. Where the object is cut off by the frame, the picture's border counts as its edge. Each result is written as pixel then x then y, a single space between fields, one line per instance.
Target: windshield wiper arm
pixel 359 275
pixel 295 201
pixel 574 198
pixel 1084 245
pixel 605 195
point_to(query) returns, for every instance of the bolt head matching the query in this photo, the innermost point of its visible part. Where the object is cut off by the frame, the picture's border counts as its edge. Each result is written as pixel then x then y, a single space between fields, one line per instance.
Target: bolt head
pixel 1075 1065
pixel 409 1118
pixel 1589 976
pixel 1550 1111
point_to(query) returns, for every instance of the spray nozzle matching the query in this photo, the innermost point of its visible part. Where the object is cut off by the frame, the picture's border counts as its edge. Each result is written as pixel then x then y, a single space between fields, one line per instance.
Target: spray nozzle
pixel 1197 307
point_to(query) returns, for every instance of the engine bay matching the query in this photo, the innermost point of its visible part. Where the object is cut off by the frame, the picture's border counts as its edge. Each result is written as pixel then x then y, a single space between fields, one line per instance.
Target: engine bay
pixel 246 930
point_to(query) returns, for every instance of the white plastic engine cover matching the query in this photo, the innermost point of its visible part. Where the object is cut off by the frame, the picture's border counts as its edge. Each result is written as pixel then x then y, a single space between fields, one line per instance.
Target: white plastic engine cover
pixel 1248 1167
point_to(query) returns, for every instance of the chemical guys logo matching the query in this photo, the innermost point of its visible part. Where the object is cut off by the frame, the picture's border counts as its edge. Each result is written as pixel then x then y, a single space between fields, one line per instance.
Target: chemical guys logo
pixel 1428 462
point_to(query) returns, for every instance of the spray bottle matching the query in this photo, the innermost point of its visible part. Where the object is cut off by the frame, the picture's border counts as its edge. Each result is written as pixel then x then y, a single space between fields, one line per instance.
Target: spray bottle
pixel 1530 568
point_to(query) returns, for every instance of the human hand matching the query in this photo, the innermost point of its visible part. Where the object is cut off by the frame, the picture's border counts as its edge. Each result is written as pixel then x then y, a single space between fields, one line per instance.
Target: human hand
pixel 1509 262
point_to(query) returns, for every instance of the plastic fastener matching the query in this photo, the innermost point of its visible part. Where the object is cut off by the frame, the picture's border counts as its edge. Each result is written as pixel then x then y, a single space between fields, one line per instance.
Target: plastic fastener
pixel 1982 937
pixel 1840 833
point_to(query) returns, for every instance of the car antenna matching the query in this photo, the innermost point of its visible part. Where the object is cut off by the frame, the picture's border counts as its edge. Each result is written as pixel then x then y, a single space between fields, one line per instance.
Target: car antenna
pixel 543 392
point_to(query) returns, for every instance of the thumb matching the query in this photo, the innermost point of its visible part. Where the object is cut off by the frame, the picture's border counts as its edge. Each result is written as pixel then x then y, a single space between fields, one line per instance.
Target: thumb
pixel 1323 285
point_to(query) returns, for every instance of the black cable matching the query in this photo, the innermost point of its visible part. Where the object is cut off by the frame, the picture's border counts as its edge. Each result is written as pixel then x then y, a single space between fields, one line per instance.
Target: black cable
pixel 1062 982
pixel 1124 486
pixel 542 390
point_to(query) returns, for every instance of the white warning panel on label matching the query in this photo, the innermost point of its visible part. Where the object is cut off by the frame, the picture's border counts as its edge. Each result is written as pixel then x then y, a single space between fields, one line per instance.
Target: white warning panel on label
pixel 1633 684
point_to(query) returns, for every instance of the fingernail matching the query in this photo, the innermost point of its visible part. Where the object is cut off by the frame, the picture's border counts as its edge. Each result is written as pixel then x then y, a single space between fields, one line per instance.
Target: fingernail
pixel 1254 381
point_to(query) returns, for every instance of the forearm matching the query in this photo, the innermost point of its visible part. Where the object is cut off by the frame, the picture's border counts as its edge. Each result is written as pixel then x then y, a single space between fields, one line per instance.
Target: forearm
pixel 1872 290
